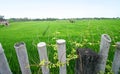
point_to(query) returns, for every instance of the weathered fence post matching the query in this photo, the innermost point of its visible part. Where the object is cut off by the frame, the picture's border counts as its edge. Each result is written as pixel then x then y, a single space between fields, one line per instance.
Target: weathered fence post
pixel 116 61
pixel 43 56
pixel 61 46
pixel 104 49
pixel 86 61
pixel 22 57
pixel 4 67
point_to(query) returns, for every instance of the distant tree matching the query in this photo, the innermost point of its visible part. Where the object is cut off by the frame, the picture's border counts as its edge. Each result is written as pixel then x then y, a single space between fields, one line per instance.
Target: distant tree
pixel 1 18
pixel 71 21
pixel 117 17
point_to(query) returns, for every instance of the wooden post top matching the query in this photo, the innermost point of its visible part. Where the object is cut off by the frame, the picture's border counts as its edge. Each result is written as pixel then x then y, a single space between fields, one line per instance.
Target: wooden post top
pixel 19 44
pixel 106 37
pixel 60 41
pixel 41 44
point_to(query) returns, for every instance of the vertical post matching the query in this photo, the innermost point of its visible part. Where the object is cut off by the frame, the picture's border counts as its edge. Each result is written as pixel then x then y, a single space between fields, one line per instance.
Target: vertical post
pixel 104 49
pixel 61 46
pixel 43 56
pixel 116 61
pixel 86 61
pixel 22 57
pixel 4 67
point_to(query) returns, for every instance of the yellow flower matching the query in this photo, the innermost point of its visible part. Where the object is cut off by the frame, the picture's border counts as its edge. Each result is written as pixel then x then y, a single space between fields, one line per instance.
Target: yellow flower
pixel 42 63
pixel 90 43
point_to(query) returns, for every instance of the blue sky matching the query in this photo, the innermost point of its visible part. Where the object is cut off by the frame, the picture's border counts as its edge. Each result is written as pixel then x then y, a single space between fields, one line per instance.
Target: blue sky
pixel 59 8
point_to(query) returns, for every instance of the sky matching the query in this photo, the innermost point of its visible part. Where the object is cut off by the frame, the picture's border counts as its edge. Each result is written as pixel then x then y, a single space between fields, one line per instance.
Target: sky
pixel 59 8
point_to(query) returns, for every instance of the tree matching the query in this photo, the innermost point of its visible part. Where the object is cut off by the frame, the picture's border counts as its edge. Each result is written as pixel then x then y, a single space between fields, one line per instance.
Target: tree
pixel 1 18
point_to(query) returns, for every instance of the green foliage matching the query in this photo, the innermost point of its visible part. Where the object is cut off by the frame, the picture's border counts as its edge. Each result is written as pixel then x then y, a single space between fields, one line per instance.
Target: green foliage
pixel 1 26
pixel 108 67
pixel 82 33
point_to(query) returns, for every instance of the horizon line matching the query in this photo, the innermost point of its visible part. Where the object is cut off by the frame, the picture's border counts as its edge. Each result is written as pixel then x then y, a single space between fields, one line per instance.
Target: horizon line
pixel 60 18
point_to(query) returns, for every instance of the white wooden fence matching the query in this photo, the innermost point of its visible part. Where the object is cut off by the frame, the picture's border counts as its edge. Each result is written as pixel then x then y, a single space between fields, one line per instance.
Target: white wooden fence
pixel 21 52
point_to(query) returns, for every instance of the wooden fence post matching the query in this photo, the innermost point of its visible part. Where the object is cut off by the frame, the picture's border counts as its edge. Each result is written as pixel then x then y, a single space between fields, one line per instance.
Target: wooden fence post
pixel 104 49
pixel 86 61
pixel 22 57
pixel 43 56
pixel 61 46
pixel 116 61
pixel 4 67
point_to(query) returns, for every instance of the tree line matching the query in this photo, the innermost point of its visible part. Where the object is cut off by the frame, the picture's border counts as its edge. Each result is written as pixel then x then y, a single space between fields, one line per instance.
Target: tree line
pixel 50 19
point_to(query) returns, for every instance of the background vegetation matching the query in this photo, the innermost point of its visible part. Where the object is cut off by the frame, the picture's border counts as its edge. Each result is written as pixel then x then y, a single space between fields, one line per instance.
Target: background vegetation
pixel 83 33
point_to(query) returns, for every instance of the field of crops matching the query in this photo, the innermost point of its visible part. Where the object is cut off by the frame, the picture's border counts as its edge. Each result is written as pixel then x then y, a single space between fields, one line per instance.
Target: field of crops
pixel 81 33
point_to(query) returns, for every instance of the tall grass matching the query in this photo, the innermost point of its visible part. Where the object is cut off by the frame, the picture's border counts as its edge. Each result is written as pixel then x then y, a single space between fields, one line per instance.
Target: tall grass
pixel 82 33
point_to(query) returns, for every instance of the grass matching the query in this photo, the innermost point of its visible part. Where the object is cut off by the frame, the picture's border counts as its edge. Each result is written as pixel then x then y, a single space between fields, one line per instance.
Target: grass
pixel 82 33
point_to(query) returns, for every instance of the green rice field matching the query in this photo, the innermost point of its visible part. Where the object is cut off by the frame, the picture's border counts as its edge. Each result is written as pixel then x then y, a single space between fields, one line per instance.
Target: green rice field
pixel 80 34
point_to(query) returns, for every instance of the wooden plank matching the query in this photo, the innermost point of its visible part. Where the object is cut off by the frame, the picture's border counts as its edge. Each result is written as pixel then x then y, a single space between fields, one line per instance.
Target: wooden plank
pixel 22 57
pixel 43 56
pixel 61 46
pixel 86 61
pixel 116 61
pixel 104 49
pixel 4 67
